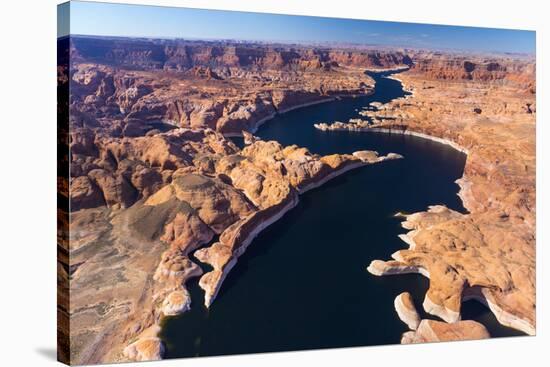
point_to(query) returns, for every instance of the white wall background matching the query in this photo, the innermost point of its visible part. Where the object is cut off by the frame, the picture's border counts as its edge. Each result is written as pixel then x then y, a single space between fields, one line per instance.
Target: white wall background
pixel 28 189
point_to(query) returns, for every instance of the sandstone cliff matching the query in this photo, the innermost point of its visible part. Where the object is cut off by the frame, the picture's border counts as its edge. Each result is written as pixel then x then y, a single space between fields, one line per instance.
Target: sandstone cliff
pixel 183 55
pixel 429 331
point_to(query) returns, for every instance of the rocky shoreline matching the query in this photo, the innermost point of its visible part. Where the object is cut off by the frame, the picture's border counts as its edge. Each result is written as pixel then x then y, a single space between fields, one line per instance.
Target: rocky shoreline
pixel 410 90
pixel 521 315
pixel 428 331
pixel 388 70
pixel 450 315
pixel 446 308
pixel 211 289
pixel 388 268
pixel 389 130
pixel 256 125
pixel 503 317
pixel 233 241
pixel 345 169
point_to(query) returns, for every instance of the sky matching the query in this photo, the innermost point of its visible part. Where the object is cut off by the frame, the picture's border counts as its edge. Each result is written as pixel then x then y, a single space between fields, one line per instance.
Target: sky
pixel 104 19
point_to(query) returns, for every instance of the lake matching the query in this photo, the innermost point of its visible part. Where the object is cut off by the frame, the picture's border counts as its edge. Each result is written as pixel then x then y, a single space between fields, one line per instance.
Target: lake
pixel 303 283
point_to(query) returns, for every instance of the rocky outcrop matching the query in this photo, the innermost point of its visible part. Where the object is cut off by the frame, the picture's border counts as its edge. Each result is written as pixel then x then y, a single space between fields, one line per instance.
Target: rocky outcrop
pixel 150 349
pixel 129 169
pixel 199 57
pixel 216 203
pixel 176 302
pixel 404 306
pixel 473 252
pixel 149 85
pixel 176 268
pixel 85 193
pixel 501 70
pixel 249 138
pixel 430 331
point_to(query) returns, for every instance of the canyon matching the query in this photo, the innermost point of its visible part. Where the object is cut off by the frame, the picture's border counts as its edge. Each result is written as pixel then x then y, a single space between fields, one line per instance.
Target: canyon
pixel 157 186
pixel 487 111
pixel 489 253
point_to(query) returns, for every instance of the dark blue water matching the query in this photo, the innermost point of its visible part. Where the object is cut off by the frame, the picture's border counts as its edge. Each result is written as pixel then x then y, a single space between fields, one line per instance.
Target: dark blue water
pixel 303 283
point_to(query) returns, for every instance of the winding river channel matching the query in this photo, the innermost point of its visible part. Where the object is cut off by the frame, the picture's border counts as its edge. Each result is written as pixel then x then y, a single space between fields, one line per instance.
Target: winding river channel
pixel 303 284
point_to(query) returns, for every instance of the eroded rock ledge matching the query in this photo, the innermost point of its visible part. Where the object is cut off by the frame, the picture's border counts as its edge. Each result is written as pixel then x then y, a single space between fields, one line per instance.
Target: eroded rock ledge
pixel 466 257
pixel 429 331
pixel 404 306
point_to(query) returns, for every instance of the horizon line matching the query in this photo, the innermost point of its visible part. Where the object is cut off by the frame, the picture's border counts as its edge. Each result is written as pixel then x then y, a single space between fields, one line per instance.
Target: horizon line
pixel 303 43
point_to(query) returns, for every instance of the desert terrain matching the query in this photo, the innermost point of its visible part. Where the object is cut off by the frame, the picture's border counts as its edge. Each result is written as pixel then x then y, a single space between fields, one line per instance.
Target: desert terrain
pixel 156 185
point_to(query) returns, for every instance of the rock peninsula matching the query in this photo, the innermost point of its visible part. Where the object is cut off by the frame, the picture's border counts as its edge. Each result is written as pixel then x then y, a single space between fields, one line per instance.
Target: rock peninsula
pixel 429 331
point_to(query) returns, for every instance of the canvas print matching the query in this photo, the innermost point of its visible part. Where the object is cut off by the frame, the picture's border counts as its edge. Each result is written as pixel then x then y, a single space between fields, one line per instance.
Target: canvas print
pixel 234 183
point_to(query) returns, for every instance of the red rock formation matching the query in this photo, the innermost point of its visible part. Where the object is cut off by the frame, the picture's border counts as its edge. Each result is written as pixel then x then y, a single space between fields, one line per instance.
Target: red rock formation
pixel 183 55
pixel 501 70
